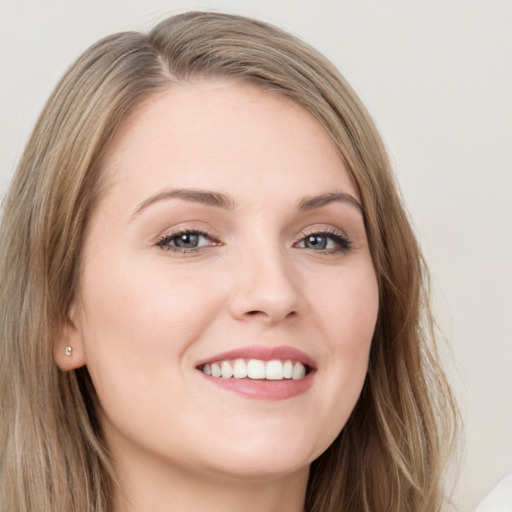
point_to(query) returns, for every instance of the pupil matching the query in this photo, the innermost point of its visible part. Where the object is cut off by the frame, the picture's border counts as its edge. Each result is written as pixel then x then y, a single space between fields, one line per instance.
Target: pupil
pixel 187 240
pixel 316 242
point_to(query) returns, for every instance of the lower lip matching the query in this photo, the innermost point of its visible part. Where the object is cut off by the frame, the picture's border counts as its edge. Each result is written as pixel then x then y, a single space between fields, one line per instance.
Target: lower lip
pixel 264 389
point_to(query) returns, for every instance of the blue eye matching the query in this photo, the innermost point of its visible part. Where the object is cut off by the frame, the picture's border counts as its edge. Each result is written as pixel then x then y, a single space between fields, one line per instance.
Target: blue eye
pixel 185 241
pixel 325 242
pixel 316 242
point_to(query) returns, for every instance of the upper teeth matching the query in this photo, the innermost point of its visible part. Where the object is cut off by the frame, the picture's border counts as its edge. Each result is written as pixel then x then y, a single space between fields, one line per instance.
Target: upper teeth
pixel 256 369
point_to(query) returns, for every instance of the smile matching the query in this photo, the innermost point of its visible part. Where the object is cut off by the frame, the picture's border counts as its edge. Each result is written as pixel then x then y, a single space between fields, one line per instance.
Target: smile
pixel 256 369
pixel 260 372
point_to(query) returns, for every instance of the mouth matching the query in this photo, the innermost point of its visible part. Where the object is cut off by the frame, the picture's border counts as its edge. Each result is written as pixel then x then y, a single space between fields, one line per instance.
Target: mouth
pixel 261 372
pixel 256 369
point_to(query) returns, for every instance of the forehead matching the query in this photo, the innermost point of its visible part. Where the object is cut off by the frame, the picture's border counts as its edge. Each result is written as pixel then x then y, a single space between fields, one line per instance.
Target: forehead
pixel 221 133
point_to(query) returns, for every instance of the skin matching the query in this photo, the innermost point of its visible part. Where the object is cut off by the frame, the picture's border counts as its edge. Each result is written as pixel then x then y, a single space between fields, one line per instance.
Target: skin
pixel 146 314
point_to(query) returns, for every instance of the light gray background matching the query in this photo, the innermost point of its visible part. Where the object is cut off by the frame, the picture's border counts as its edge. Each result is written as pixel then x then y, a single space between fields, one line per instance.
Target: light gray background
pixel 437 77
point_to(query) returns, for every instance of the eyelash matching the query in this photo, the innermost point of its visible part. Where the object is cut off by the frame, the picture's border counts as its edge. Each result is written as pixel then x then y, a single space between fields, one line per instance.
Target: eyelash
pixel 343 244
pixel 165 241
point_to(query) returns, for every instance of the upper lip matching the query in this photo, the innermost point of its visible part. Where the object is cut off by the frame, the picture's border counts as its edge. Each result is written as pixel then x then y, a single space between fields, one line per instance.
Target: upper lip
pixel 263 353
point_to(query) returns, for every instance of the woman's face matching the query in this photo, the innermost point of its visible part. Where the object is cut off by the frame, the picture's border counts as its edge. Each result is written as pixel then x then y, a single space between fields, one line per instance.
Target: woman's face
pixel 229 235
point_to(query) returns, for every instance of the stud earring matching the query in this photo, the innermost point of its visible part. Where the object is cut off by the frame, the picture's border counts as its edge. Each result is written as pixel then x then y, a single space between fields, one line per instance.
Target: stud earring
pixel 68 350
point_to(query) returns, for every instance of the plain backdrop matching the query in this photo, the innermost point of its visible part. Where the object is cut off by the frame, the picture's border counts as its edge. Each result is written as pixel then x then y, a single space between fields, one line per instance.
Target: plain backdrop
pixel 437 77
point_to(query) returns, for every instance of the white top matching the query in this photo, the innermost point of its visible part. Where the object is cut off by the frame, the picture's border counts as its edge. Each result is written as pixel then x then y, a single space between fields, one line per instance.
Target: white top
pixel 499 499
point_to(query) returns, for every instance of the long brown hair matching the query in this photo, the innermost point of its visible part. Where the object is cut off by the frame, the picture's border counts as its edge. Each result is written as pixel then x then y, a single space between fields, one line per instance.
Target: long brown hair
pixel 391 454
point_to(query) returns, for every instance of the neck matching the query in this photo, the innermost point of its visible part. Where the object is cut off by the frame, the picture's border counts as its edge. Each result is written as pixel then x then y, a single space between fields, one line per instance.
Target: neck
pixel 172 489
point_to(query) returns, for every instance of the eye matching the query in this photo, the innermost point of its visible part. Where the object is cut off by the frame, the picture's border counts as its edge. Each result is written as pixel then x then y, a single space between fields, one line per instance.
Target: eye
pixel 328 242
pixel 185 241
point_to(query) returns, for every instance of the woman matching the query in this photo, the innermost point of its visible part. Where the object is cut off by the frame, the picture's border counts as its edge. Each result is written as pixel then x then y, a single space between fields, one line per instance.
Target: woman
pixel 211 293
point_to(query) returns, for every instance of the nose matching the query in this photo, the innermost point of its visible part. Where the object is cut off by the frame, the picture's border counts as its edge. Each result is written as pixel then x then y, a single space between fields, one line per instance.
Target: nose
pixel 266 288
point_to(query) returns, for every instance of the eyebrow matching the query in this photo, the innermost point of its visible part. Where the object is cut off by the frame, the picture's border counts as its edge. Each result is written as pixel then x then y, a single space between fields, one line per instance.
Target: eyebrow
pixel 219 200
pixel 310 203
pixel 194 195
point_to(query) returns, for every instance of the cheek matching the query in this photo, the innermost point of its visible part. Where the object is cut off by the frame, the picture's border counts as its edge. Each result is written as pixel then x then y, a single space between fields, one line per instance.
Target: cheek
pixel 346 305
pixel 142 321
pixel 346 314
pixel 354 325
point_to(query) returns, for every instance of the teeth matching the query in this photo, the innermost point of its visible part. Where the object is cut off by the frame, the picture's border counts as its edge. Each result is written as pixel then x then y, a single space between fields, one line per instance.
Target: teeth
pixel 298 372
pixel 287 369
pixel 256 369
pixel 227 371
pixel 239 369
pixel 274 370
pixel 216 371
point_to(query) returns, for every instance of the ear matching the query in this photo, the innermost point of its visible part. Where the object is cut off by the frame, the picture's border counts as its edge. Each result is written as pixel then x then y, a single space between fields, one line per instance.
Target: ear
pixel 68 346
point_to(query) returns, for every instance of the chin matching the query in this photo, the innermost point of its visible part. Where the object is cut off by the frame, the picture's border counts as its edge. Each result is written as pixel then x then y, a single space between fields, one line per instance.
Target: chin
pixel 267 455
pixel 259 468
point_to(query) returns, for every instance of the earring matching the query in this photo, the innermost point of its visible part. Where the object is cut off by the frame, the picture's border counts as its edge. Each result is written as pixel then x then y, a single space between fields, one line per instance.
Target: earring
pixel 68 350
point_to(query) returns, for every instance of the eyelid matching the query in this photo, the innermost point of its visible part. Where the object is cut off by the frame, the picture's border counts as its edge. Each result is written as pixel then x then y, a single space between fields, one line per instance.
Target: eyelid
pixel 163 240
pixel 322 229
pixel 343 241
pixel 187 226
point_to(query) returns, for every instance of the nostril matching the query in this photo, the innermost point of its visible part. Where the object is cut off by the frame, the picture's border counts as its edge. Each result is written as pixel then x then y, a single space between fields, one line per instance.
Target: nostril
pixel 254 313
pixel 257 313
